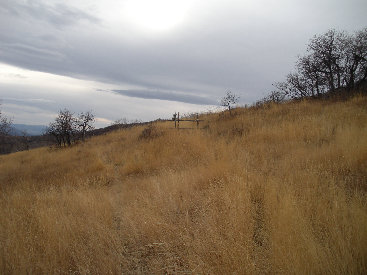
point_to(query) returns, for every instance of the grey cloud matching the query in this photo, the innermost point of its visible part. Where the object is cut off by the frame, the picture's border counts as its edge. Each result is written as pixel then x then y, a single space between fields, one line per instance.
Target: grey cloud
pixel 34 58
pixel 29 100
pixel 24 50
pixel 59 14
pixel 36 106
pixel 39 103
pixel 209 59
pixel 244 46
pixel 171 96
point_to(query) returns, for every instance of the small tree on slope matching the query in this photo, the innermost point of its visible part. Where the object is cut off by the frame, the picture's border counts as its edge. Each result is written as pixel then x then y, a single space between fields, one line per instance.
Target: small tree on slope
pixel 229 100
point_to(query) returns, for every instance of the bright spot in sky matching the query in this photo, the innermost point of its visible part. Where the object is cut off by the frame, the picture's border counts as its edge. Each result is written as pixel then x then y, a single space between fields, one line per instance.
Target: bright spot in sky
pixel 157 15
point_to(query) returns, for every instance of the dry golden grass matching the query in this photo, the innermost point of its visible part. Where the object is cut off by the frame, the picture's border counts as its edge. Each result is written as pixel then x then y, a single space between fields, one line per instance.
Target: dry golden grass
pixel 277 189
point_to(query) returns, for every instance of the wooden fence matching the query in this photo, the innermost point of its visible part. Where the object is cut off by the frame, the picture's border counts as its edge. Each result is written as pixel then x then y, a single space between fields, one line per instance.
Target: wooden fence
pixel 176 118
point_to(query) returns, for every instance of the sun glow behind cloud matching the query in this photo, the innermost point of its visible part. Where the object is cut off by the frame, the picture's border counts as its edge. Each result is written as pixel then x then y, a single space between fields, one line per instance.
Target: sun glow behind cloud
pixel 158 15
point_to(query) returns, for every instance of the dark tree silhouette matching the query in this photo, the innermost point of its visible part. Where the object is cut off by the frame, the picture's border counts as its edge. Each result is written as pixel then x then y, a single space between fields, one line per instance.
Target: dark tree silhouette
pixel 229 100
pixel 67 128
pixel 85 123
pixel 334 60
pixel 5 124
pixel 64 128
pixel 6 143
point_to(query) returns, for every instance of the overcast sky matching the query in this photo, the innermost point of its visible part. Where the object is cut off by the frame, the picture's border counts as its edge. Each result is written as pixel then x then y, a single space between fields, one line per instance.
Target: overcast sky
pixel 146 59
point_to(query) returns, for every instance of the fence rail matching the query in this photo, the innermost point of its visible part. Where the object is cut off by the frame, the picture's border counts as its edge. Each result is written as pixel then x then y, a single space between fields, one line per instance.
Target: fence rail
pixel 176 119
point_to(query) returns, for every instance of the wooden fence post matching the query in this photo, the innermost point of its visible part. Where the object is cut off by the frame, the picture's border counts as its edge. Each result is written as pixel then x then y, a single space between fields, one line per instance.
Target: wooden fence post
pixel 178 122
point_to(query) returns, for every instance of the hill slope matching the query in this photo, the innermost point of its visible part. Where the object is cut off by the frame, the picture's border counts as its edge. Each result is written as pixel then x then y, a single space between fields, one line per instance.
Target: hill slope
pixel 275 189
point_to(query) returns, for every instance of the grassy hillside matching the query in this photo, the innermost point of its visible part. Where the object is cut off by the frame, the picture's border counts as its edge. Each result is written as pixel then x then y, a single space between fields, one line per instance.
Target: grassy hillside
pixel 275 189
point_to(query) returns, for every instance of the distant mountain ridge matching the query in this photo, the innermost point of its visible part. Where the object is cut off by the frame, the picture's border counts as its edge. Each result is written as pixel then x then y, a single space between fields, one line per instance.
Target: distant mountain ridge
pixel 29 130
pixel 23 137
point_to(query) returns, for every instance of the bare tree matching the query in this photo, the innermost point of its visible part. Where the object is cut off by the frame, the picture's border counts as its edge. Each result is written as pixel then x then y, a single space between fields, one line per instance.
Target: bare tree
pixel 324 50
pixel 85 123
pixel 356 59
pixel 54 130
pixel 6 142
pixel 275 96
pixel 64 128
pixel 5 124
pixel 334 60
pixel 313 80
pixel 121 121
pixel 229 100
pixel 67 128
pixel 25 140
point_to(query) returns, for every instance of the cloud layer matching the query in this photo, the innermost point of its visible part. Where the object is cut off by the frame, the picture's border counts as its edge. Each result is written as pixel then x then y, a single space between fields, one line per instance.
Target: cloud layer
pixel 244 46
